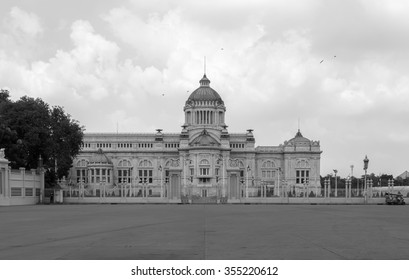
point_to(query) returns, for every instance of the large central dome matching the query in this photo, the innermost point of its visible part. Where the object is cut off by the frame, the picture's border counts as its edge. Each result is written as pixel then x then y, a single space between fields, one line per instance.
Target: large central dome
pixel 204 92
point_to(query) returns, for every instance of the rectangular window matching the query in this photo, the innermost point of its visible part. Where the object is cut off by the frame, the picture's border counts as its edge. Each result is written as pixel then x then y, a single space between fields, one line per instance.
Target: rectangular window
pixel 204 171
pixel 242 179
pixel 145 176
pixel 166 176
pixel 302 176
pixel 29 192
pixel 150 178
pixel 119 176
pixel 16 191
pixel 78 176
pixel 124 176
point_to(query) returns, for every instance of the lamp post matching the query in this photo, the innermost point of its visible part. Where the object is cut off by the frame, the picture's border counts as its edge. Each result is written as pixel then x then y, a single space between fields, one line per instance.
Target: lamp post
pixel 329 186
pixel 161 180
pixel 366 161
pixel 247 181
pixel 336 189
pixel 223 183
pixel 101 188
pixel 348 187
pixel 278 181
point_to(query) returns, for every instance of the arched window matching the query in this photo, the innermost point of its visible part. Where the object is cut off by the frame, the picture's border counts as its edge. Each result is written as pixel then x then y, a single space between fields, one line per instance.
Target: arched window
pixel 204 162
pixel 145 172
pixel 82 172
pixel 124 164
pixel 268 170
pixel 302 172
pixel 82 163
pixel 145 163
pixel 204 167
pixel 268 164
pixel 204 171
pixel 124 171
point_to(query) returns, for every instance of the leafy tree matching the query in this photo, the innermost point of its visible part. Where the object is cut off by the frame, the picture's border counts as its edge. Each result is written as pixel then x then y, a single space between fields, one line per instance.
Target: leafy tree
pixel 30 129
pixel 66 139
pixel 8 137
pixel 4 96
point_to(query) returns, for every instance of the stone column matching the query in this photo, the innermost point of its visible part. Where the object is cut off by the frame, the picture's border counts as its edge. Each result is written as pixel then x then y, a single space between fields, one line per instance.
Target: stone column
pixel 4 169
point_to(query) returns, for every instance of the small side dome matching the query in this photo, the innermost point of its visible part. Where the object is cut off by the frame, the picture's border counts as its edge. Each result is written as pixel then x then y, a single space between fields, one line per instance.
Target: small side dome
pixel 299 138
pixel 100 158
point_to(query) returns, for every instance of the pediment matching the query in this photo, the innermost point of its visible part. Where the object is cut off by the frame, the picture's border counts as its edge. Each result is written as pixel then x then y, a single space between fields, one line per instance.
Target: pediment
pixel 204 139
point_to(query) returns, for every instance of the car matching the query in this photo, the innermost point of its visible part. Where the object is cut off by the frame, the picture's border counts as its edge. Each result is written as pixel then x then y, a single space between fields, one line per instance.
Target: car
pixel 393 198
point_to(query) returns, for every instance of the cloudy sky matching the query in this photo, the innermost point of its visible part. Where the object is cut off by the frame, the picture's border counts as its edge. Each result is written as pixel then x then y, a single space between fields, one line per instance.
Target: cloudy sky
pixel 337 69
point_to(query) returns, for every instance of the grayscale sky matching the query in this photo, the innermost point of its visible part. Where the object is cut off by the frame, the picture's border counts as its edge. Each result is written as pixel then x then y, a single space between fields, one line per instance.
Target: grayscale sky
pixel 337 69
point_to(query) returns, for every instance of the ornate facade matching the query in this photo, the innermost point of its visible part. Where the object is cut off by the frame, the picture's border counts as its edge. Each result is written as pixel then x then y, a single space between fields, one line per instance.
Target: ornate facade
pixel 203 161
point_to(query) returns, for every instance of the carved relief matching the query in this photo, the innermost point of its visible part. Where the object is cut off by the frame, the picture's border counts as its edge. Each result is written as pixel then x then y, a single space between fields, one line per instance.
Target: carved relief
pixel 204 156
pixel 236 163
pixel 173 162
pixel 302 163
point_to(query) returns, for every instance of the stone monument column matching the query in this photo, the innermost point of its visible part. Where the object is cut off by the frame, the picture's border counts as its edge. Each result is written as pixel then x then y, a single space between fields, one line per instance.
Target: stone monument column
pixel 4 175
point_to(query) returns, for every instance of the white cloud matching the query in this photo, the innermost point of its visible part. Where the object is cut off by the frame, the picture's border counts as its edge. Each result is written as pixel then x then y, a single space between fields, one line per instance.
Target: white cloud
pixel 153 40
pixel 20 21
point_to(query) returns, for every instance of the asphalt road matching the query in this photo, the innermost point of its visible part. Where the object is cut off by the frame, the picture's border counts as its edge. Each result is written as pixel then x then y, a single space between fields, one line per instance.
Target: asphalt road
pixel 165 232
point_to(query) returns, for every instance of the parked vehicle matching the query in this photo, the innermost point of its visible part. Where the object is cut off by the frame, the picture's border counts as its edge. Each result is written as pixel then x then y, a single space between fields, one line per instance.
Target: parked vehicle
pixel 393 198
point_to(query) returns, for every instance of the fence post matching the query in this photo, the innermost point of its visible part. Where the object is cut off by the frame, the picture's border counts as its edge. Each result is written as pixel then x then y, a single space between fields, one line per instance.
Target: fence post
pixel 23 177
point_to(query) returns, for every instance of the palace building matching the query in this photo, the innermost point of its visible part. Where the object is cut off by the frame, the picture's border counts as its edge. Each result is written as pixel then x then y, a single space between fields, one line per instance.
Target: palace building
pixel 202 161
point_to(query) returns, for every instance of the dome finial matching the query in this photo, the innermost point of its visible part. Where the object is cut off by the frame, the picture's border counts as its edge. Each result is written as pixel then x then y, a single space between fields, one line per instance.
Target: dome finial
pixel 298 123
pixel 204 82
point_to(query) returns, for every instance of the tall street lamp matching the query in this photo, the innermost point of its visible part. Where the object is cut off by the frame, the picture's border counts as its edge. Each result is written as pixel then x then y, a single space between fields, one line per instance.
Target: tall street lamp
pixel 336 189
pixel 247 180
pixel 161 180
pixel 366 161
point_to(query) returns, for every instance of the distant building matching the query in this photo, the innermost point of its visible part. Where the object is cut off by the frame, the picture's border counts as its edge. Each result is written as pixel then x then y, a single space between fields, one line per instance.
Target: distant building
pixel 204 160
pixel 404 175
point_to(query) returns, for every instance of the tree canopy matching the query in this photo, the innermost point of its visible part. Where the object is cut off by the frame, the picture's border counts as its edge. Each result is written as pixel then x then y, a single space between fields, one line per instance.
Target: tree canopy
pixel 30 128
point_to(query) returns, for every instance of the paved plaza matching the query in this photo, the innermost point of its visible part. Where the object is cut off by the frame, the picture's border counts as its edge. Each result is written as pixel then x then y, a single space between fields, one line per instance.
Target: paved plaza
pixel 135 231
